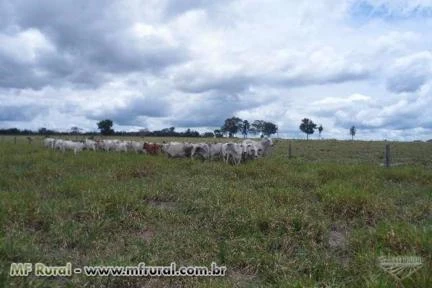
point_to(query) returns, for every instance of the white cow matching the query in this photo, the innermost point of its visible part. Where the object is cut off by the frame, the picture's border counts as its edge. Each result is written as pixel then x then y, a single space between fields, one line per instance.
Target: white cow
pixel 58 144
pixel 262 147
pixel 215 150
pixel 107 144
pixel 177 150
pixel 71 145
pixel 250 151
pixel 232 152
pixel 77 147
pixel 165 146
pixel 90 144
pixel 49 142
pixel 200 149
pixel 120 146
pixel 267 144
pixel 136 146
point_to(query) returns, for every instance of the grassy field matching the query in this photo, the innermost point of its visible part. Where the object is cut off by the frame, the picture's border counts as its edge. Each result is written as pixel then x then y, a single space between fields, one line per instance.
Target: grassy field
pixel 319 219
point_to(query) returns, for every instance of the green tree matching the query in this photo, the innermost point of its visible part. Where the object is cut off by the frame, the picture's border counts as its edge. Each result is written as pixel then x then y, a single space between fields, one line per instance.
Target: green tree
pixel 307 126
pixel 105 127
pixel 232 126
pixel 269 128
pixel 43 131
pixel 257 126
pixel 353 131
pixel 320 129
pixel 218 133
pixel 263 127
pixel 75 130
pixel 245 128
pixel 208 135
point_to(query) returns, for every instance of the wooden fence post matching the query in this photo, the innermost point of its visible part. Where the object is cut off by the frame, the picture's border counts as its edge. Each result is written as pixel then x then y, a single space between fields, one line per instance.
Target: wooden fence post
pixel 15 140
pixel 387 155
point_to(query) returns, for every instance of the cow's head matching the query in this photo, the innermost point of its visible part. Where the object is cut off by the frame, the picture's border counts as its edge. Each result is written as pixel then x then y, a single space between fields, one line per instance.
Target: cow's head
pixel 252 151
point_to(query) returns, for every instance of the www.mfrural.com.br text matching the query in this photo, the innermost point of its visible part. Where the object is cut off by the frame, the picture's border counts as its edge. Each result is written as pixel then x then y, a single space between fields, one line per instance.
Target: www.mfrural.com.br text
pixel 43 270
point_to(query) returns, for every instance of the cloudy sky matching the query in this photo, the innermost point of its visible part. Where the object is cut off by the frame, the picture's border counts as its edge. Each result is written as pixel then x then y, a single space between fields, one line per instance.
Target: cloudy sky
pixel 193 63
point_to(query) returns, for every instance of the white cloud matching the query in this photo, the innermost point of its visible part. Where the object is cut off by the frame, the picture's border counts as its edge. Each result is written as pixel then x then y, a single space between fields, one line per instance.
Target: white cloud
pixel 25 46
pixel 410 73
pixel 398 7
pixel 193 63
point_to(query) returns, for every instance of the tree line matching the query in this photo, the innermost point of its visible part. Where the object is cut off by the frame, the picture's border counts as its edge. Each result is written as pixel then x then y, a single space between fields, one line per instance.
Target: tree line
pixel 73 131
pixel 230 128
pixel 235 125
pixel 308 127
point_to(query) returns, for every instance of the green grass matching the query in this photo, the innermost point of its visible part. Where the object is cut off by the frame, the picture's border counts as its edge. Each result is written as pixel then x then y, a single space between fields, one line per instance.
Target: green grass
pixel 269 221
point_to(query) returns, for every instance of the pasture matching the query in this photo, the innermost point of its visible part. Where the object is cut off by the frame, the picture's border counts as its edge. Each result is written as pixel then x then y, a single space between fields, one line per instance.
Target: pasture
pixel 319 219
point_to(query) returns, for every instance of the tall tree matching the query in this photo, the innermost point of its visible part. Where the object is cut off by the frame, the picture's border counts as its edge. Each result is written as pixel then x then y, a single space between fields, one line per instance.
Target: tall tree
pixel 43 131
pixel 245 128
pixel 218 133
pixel 269 128
pixel 257 126
pixel 307 126
pixel 105 127
pixel 263 127
pixel 320 129
pixel 232 126
pixel 353 131
pixel 75 130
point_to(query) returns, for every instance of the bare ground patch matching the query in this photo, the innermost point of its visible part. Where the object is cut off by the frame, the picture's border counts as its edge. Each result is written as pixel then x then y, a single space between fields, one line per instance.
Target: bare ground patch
pixel 147 234
pixel 338 243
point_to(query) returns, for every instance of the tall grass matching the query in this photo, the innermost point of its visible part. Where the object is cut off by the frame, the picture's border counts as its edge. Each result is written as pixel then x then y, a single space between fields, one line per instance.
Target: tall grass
pixel 320 219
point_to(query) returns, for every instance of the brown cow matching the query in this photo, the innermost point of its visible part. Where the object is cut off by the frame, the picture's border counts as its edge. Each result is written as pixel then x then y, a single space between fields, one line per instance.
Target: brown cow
pixel 152 148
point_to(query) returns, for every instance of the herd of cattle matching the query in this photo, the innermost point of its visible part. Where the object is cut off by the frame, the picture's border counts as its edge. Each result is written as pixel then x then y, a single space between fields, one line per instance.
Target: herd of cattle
pixel 233 153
